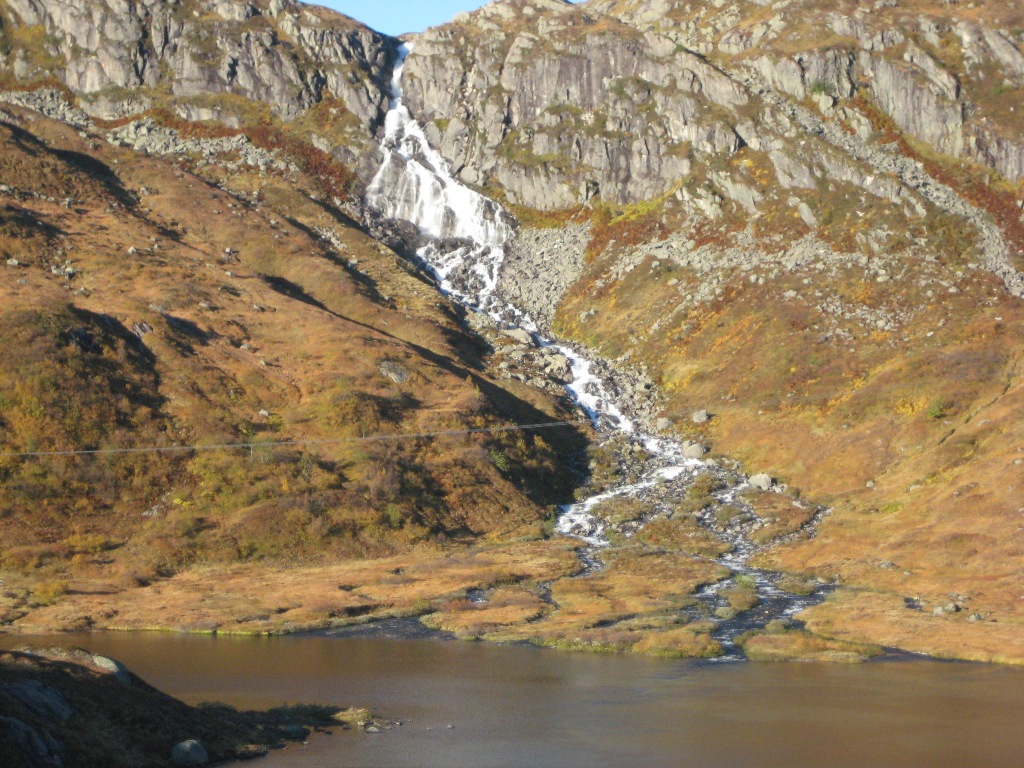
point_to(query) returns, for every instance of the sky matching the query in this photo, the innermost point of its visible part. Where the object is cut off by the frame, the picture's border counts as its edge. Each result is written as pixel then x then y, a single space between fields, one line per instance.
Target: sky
pixel 393 17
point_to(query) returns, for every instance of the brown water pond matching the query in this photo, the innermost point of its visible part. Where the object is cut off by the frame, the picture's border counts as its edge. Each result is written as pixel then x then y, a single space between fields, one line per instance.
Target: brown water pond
pixel 514 706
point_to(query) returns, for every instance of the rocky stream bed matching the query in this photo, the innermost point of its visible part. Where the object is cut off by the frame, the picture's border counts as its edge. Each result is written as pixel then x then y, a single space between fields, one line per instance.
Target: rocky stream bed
pixel 645 475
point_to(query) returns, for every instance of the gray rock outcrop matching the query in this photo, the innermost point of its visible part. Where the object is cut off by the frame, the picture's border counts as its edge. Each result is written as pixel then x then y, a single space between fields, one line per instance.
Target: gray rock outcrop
pixel 146 136
pixel 394 371
pixel 115 55
pixel 559 106
pixel 189 754
pixel 34 746
pixel 44 701
pixel 113 667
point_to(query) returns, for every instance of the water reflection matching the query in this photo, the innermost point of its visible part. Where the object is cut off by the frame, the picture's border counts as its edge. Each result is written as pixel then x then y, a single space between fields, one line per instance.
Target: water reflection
pixel 527 707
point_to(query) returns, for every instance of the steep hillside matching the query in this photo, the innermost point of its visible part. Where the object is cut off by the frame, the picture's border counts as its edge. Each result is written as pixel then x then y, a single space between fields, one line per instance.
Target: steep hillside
pixel 156 303
pixel 805 218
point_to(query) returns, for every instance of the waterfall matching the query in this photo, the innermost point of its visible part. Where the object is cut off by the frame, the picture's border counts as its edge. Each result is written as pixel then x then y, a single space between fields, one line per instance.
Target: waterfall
pixel 463 237
pixel 466 233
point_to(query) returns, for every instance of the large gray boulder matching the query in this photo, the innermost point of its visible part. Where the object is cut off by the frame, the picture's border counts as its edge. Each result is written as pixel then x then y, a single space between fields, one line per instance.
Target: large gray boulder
pixel 694 451
pixel 558 367
pixel 114 667
pixel 189 754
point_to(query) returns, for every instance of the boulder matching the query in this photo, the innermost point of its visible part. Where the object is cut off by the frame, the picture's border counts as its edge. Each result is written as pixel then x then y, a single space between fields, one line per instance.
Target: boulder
pixel 519 335
pixel 762 481
pixel 394 371
pixel 113 667
pixel 189 753
pixel 694 451
pixel 700 417
pixel 558 367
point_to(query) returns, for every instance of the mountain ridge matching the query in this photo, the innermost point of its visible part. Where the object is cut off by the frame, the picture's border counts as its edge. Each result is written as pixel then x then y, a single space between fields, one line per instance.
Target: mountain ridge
pixel 804 218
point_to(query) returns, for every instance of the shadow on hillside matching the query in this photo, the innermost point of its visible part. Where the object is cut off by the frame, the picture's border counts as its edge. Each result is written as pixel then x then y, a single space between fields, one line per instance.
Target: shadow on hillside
pixel 366 284
pixel 89 167
pixel 100 332
pixel 184 334
pixel 568 441
pixel 290 290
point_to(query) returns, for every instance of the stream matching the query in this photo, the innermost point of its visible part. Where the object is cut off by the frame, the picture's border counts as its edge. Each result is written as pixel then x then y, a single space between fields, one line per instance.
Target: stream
pixel 462 241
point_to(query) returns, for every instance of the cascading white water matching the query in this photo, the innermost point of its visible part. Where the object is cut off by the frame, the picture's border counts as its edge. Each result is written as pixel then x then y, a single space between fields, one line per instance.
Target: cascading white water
pixel 415 184
pixel 464 236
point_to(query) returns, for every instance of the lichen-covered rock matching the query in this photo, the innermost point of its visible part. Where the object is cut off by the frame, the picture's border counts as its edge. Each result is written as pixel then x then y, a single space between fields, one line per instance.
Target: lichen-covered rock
pixel 113 53
pixel 557 105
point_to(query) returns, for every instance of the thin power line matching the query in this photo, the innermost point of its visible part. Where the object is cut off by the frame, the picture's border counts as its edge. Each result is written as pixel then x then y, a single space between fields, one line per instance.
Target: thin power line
pixel 280 443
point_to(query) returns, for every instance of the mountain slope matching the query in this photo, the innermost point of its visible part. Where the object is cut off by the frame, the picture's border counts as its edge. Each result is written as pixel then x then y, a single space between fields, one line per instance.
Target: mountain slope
pixel 805 218
pixel 146 306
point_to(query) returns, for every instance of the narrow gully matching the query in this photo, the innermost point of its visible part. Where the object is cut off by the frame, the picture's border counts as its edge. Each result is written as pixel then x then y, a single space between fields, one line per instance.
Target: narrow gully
pixel 462 242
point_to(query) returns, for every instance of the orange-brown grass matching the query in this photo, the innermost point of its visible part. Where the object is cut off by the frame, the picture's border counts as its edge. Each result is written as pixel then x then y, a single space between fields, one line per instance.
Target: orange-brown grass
pixel 927 414
pixel 635 585
pixel 796 645
pixel 935 528
pixel 885 619
pixel 231 323
pixel 532 217
pixel 693 641
pixel 683 534
pixel 741 598
pixel 248 599
pixel 782 515
pixel 505 606
pixel 631 226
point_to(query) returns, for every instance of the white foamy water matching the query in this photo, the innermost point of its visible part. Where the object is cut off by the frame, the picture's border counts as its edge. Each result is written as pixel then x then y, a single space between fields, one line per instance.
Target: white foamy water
pixel 466 235
pixel 467 232
pixel 463 239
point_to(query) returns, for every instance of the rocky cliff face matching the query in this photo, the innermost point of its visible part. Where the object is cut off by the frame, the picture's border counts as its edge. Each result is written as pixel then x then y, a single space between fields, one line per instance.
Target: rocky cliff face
pixel 121 58
pixel 553 102
pixel 555 105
